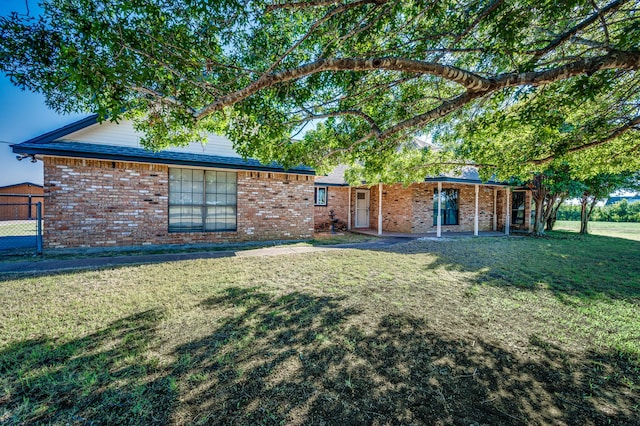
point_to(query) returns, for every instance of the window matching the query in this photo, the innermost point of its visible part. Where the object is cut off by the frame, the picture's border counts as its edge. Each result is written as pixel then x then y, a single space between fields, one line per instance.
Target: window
pixel 320 196
pixel 202 200
pixel 448 207
pixel 517 208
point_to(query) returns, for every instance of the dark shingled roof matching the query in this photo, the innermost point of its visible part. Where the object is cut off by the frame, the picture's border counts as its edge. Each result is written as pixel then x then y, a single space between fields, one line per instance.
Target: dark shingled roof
pixel 14 185
pixel 49 144
pixel 141 155
pixel 468 174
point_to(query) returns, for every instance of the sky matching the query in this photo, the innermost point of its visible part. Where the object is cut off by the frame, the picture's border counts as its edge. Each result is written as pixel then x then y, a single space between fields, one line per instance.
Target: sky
pixel 23 115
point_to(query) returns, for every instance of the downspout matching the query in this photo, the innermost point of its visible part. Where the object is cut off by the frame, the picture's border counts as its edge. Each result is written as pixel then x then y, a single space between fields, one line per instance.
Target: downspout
pixel 475 215
pixel 507 223
pixel 439 216
pixel 349 211
pixel 495 208
pixel 380 209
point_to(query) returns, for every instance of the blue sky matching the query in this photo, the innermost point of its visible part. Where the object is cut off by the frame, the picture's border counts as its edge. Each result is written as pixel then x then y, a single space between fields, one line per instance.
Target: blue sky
pixel 23 115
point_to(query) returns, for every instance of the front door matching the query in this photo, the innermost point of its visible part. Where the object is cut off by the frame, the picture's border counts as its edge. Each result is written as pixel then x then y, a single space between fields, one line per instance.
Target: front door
pixel 362 208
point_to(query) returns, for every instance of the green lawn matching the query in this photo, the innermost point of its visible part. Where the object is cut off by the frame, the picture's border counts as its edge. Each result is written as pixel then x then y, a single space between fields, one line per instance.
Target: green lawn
pixel 630 231
pixel 18 228
pixel 467 331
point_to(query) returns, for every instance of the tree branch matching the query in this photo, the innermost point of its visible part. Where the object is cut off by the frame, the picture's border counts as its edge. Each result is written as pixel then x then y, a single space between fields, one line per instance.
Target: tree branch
pixel 617 132
pixel 162 98
pixel 574 30
pixel 467 79
pixel 355 112
pixel 315 25
pixel 477 86
pixel 300 5
pixel 629 60
pixel 605 29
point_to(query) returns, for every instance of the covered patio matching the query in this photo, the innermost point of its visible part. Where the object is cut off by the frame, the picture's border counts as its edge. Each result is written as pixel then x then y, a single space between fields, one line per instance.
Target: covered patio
pixel 457 205
pixel 387 234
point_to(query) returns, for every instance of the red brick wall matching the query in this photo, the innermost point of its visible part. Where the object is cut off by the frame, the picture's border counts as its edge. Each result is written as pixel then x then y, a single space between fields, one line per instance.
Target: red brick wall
pixel 410 209
pixel 102 203
pixel 466 206
pixel 502 208
pixel 338 201
pixel 397 210
pixel 373 209
pixel 422 204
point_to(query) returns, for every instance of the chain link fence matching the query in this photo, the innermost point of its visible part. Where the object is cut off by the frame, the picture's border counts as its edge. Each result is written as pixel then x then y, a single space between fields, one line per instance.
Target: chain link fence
pixel 20 228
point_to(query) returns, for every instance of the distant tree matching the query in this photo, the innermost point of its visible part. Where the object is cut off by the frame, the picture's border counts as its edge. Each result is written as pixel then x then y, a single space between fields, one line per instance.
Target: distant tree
pixel 369 74
pixel 599 187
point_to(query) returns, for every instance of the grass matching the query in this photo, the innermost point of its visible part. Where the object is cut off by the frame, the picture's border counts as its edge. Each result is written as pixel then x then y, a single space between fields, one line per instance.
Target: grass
pixel 319 239
pixel 465 331
pixel 629 231
pixel 18 228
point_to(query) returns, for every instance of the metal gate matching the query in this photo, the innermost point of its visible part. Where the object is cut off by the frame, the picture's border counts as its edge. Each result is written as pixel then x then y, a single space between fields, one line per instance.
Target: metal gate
pixel 21 228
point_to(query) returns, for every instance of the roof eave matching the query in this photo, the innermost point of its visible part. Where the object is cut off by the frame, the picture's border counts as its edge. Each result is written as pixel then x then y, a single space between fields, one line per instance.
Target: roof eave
pixel 63 131
pixel 42 150
pixel 468 181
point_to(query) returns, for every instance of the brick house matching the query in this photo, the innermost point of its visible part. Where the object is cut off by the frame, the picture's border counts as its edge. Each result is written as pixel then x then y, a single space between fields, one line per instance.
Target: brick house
pixel 466 205
pixel 103 189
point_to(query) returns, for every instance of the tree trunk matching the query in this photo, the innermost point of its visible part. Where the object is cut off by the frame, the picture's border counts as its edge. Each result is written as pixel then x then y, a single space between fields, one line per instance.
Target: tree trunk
pixel 539 193
pixel 538 222
pixel 586 209
pixel 551 220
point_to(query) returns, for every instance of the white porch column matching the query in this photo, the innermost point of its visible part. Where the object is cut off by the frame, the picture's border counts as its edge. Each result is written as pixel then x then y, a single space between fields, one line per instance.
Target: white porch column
pixel 349 211
pixel 475 215
pixel 507 222
pixel 439 220
pixel 495 209
pixel 379 209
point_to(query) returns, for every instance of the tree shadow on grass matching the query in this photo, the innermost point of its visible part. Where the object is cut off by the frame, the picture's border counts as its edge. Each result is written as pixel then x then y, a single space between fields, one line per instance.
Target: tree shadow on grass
pixel 104 378
pixel 583 266
pixel 305 359
pixel 300 359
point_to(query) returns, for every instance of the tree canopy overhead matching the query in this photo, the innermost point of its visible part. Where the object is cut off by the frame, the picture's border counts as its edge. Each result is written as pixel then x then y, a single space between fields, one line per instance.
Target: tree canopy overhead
pixel 325 81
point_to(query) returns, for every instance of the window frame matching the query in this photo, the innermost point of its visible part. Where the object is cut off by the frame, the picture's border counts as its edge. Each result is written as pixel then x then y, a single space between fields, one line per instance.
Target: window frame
pixel 315 195
pixel 455 191
pixel 209 200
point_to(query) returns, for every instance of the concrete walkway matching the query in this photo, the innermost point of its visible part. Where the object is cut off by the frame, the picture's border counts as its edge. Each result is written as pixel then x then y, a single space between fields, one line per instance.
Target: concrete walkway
pixel 447 234
pixel 106 262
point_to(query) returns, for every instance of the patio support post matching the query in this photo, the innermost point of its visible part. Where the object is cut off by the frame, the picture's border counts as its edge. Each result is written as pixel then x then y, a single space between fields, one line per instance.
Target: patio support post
pixel 380 209
pixel 349 211
pixel 475 214
pixel 439 217
pixel 507 222
pixel 495 208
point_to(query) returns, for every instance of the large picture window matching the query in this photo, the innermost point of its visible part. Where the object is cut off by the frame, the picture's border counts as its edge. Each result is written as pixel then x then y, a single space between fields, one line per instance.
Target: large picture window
pixel 448 207
pixel 202 200
pixel 517 208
